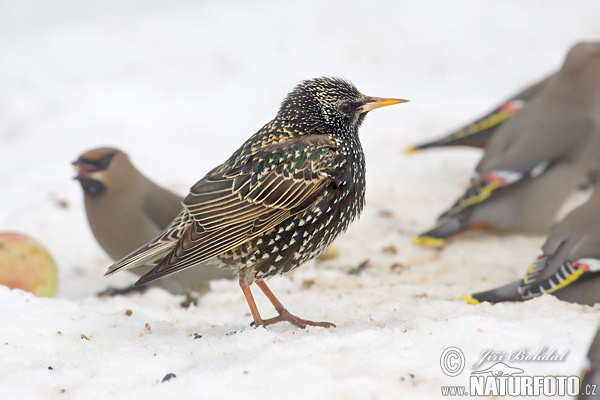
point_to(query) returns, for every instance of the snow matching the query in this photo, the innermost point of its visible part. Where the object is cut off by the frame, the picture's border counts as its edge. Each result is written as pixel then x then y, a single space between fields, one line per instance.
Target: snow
pixel 179 85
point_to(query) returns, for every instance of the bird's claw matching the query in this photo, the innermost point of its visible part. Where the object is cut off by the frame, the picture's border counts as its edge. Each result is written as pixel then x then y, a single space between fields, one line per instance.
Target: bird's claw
pixel 285 315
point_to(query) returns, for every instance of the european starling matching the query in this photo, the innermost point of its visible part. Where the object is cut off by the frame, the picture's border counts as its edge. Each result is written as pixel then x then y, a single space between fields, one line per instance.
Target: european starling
pixel 536 159
pixel 478 133
pixel 568 265
pixel 278 201
pixel 125 210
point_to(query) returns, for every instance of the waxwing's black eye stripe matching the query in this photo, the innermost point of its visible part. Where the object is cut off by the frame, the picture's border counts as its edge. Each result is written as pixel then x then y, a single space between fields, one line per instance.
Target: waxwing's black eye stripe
pixel 101 163
pixel 104 162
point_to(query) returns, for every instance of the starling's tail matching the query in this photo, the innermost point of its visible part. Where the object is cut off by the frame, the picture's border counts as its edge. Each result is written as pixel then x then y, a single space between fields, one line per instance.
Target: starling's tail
pixel 508 292
pixel 147 255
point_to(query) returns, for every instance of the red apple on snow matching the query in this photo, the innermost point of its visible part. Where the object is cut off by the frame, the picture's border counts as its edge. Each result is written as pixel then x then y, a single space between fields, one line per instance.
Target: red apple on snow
pixel 26 265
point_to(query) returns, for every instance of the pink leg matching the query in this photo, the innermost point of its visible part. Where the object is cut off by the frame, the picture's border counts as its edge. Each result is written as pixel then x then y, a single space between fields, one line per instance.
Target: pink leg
pixel 284 314
pixel 250 299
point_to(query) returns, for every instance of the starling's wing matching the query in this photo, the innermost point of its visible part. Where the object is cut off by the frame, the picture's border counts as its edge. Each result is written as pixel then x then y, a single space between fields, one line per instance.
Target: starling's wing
pixel 231 206
pixel 478 133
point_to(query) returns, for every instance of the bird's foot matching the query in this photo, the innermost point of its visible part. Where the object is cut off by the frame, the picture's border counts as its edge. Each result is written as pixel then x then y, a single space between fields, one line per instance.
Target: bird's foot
pixel 190 299
pixel 113 291
pixel 285 315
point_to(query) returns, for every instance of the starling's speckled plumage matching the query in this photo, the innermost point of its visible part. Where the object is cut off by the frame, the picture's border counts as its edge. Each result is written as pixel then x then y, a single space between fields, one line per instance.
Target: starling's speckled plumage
pixel 279 200
pixel 478 133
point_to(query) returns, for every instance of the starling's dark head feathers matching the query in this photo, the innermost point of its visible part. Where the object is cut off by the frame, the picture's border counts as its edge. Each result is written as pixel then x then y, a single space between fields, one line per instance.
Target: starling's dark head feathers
pixel 324 106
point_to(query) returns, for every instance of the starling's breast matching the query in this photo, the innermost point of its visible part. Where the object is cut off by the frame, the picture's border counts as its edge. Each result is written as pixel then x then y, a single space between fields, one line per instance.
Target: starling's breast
pixel 306 235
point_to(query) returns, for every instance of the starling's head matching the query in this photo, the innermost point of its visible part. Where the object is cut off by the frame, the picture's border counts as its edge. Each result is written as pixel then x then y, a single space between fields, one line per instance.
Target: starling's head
pixel 329 106
pixel 100 168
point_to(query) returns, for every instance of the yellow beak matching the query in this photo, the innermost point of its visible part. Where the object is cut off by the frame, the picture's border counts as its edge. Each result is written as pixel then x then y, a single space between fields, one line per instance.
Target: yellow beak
pixel 378 102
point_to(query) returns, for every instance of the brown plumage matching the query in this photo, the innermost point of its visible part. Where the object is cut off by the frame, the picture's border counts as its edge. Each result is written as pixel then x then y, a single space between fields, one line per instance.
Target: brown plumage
pixel 479 132
pixel 568 265
pixel 537 158
pixel 125 210
pixel 278 201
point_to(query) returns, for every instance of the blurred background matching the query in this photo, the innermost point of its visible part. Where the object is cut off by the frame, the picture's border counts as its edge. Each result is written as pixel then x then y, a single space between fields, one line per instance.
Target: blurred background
pixel 180 85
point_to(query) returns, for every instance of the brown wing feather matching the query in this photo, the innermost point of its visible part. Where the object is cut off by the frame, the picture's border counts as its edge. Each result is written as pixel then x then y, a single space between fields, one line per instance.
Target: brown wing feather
pixel 231 206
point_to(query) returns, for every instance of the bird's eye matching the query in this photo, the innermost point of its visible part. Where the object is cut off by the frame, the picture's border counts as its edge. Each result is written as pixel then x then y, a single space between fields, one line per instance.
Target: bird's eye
pixel 104 162
pixel 346 107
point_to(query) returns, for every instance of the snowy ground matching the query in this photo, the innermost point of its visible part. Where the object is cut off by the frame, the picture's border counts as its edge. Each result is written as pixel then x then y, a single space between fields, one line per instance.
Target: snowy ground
pixel 179 85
